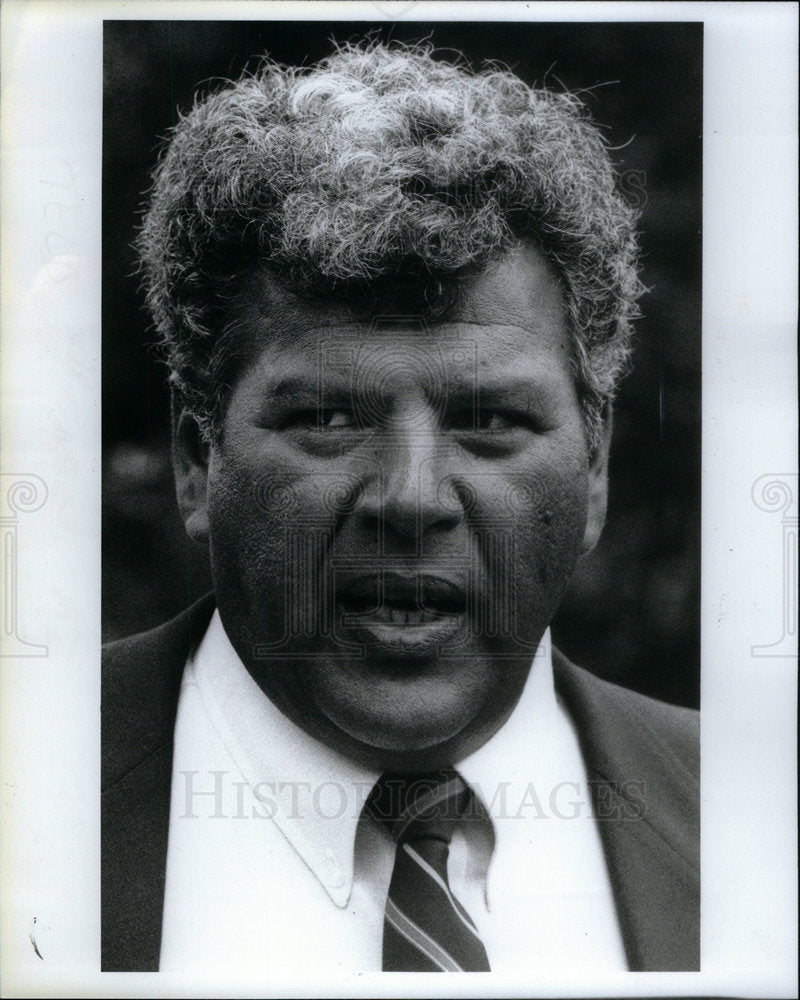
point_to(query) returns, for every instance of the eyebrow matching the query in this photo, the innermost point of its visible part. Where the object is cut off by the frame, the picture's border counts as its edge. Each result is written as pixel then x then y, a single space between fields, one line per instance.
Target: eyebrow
pixel 540 383
pixel 306 391
pixel 294 385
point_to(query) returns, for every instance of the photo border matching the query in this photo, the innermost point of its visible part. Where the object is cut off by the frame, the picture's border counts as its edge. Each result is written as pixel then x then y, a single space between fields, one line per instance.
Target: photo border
pixel 51 113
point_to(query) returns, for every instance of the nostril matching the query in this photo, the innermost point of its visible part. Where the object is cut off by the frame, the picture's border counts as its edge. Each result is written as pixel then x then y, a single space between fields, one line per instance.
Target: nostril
pixel 464 495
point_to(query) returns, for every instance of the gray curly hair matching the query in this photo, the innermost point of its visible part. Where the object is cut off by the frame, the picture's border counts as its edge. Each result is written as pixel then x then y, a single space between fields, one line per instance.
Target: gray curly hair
pixel 382 164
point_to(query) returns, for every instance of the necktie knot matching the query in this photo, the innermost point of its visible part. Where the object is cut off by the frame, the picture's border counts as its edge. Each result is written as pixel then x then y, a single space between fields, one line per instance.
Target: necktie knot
pixel 420 805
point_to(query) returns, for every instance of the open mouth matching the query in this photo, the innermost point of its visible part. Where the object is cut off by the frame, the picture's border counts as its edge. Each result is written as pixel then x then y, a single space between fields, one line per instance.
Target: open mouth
pixel 406 615
pixel 391 614
pixel 400 601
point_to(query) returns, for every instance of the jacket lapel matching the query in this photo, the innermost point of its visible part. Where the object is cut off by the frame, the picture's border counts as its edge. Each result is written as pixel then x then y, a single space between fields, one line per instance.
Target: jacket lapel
pixel 141 684
pixel 642 761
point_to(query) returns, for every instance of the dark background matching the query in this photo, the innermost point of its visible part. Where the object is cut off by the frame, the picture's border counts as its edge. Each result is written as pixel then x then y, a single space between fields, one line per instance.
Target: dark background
pixel 632 614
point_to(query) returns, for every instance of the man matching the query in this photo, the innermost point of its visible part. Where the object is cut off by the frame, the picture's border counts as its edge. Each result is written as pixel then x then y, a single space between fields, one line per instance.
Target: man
pixel 395 297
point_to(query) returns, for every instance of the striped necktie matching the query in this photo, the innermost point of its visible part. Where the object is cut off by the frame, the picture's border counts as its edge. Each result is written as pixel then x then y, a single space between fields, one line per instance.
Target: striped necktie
pixel 425 928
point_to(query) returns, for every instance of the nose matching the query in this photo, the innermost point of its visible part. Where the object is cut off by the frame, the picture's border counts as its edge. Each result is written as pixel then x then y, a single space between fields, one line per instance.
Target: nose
pixel 412 492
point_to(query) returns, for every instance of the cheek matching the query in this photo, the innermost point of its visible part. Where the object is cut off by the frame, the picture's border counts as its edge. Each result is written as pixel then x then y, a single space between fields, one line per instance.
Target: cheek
pixel 271 524
pixel 229 496
pixel 547 521
pixel 558 527
pixel 246 534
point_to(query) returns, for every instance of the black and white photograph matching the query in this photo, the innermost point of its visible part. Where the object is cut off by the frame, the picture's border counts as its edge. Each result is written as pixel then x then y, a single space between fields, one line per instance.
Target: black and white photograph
pixel 411 500
pixel 396 287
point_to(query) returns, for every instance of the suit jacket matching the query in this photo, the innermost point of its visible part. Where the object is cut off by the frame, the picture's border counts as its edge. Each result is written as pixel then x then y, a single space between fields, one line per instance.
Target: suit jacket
pixel 641 755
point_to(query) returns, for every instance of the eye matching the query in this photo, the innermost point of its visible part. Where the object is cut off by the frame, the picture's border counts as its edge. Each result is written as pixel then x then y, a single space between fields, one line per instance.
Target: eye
pixel 483 419
pixel 333 419
pixel 494 420
pixel 492 431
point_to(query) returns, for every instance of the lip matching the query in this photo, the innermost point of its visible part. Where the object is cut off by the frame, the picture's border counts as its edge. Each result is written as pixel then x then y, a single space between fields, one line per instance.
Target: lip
pixel 405 642
pixel 408 615
pixel 422 590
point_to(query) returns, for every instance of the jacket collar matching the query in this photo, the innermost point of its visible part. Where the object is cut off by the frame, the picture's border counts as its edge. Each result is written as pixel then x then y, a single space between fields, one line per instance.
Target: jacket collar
pixel 639 755
pixel 141 683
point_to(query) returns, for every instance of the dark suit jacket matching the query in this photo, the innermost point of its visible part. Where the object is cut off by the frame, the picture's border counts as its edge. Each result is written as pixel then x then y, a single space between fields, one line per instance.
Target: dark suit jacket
pixel 642 758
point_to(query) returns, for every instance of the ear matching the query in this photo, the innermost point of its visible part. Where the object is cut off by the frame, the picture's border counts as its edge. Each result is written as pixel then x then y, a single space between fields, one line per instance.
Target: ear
pixel 190 467
pixel 598 485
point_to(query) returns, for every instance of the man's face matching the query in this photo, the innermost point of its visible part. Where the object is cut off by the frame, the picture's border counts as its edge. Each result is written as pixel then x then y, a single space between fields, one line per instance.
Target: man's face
pixel 394 510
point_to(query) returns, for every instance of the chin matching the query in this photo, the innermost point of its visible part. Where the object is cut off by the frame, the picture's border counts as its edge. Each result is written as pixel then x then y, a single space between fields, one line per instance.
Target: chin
pixel 392 736
pixel 404 725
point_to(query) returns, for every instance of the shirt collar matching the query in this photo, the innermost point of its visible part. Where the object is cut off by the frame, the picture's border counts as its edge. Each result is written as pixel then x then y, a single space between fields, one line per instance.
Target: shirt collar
pixel 506 759
pixel 507 755
pixel 316 793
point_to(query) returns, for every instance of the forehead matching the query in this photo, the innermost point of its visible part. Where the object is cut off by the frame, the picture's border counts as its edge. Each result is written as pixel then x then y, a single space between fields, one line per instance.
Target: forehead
pixel 508 320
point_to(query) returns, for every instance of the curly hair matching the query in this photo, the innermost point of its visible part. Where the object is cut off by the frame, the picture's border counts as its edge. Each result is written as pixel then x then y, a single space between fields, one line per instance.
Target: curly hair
pixel 382 163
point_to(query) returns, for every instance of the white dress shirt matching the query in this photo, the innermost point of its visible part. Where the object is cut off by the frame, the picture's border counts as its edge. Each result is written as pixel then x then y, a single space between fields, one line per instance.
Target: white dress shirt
pixel 271 866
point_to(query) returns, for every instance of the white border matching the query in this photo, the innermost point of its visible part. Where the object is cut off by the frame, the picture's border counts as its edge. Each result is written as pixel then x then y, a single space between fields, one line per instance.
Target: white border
pixel 51 105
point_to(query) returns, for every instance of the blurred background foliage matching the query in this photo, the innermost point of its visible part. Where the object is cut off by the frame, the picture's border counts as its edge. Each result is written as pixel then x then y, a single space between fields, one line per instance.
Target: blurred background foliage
pixel 632 613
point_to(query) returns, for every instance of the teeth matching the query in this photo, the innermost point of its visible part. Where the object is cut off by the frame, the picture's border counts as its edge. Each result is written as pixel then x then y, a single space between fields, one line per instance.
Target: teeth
pixel 394 614
pixel 402 616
